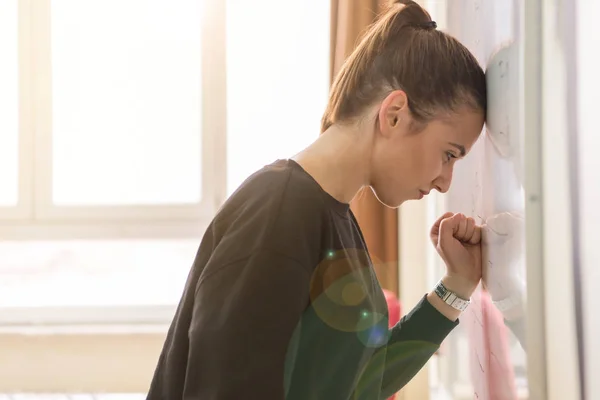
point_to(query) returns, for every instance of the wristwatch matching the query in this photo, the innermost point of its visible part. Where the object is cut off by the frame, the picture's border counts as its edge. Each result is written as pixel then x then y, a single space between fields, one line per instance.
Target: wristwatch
pixel 451 298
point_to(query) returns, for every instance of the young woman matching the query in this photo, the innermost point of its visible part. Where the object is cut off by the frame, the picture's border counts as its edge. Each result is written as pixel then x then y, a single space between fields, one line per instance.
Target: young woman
pixel 282 301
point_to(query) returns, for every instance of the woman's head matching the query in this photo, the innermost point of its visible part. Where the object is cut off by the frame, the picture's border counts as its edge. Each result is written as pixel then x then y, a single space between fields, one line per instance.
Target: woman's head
pixel 422 93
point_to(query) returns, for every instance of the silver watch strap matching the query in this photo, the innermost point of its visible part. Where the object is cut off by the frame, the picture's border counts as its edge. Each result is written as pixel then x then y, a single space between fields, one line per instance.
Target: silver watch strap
pixel 451 298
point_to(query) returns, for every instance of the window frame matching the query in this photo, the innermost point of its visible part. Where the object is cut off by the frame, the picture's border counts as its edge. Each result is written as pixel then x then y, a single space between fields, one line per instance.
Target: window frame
pixel 36 217
pixel 22 210
pixel 107 348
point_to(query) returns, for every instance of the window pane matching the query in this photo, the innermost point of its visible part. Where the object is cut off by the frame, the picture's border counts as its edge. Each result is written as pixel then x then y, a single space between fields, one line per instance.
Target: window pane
pixel 9 99
pixel 277 80
pixel 94 272
pixel 126 85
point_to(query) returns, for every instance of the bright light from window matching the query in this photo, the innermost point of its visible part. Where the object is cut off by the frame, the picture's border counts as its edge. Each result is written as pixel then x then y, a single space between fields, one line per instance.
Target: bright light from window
pixel 9 100
pixel 126 102
pixel 277 80
pixel 94 273
pixel 126 123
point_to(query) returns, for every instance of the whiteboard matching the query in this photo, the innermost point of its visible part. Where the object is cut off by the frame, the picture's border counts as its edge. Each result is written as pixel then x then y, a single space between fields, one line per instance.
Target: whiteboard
pixel 485 358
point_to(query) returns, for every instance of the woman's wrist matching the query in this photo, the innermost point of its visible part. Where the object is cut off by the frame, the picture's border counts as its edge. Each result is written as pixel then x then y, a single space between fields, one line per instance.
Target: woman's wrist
pixel 463 287
pixel 443 308
pixel 457 285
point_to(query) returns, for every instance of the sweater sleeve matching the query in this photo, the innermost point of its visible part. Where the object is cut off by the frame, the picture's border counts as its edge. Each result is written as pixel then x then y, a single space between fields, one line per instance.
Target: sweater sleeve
pixel 411 343
pixel 238 348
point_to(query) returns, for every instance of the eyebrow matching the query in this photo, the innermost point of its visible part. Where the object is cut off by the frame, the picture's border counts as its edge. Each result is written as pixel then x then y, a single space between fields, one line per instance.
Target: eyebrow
pixel 460 147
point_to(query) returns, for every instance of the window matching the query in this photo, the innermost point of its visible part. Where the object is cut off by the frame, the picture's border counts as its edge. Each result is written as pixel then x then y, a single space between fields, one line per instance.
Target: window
pixel 277 80
pixel 128 123
pixel 126 101
pixel 9 98
pixel 105 118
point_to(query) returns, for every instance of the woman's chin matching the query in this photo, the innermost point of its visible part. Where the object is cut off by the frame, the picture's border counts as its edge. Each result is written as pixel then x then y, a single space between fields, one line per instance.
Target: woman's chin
pixel 389 200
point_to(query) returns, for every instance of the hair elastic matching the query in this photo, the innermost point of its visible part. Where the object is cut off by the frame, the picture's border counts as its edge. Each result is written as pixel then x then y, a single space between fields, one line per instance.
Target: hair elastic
pixel 429 25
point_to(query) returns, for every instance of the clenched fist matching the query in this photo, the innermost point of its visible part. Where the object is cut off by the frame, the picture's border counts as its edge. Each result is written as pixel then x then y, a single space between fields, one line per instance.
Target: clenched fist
pixel 457 240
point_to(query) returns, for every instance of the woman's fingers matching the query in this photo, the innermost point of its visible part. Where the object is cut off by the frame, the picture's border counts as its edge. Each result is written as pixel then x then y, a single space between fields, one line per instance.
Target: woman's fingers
pixel 476 237
pixel 436 225
pixel 464 229
pixel 435 229
pixel 463 225
pixel 470 229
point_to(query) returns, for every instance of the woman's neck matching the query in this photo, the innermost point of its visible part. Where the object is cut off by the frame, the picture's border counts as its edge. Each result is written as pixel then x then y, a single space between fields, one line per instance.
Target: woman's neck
pixel 339 161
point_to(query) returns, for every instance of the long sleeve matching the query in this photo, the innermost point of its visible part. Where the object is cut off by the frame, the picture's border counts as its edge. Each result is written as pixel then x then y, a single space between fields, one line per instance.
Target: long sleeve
pixel 411 343
pixel 238 348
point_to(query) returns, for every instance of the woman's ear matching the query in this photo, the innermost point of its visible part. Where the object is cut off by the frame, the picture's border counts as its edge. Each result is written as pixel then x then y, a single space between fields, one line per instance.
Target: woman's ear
pixel 393 112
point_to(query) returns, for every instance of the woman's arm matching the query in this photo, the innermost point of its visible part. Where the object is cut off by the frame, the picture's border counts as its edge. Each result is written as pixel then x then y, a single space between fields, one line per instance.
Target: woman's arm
pixel 461 287
pixel 418 335
pixel 243 319
pixel 412 342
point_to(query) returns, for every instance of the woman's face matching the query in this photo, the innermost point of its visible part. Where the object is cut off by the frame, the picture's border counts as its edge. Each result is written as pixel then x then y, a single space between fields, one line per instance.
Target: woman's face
pixel 407 163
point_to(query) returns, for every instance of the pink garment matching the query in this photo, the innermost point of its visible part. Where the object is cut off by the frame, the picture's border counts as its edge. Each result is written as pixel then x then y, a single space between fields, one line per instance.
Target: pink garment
pixel 394 308
pixel 491 366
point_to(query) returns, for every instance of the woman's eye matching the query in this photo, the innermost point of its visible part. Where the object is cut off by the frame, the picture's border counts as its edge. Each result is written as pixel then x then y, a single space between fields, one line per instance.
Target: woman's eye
pixel 449 156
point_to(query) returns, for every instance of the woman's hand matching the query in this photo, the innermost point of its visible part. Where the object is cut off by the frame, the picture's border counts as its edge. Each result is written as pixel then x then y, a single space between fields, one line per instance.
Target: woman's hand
pixel 457 240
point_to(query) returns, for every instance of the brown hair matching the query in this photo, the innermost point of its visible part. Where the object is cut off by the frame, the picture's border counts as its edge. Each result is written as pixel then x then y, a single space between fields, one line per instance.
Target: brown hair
pixel 403 50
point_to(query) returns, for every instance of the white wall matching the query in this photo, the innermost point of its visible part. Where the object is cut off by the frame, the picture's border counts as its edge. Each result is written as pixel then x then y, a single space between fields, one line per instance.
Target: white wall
pixel 588 33
pixel 522 164
pixel 487 184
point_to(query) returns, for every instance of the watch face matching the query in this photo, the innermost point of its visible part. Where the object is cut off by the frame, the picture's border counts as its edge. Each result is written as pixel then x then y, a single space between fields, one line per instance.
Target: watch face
pixel 450 298
pixel 440 290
